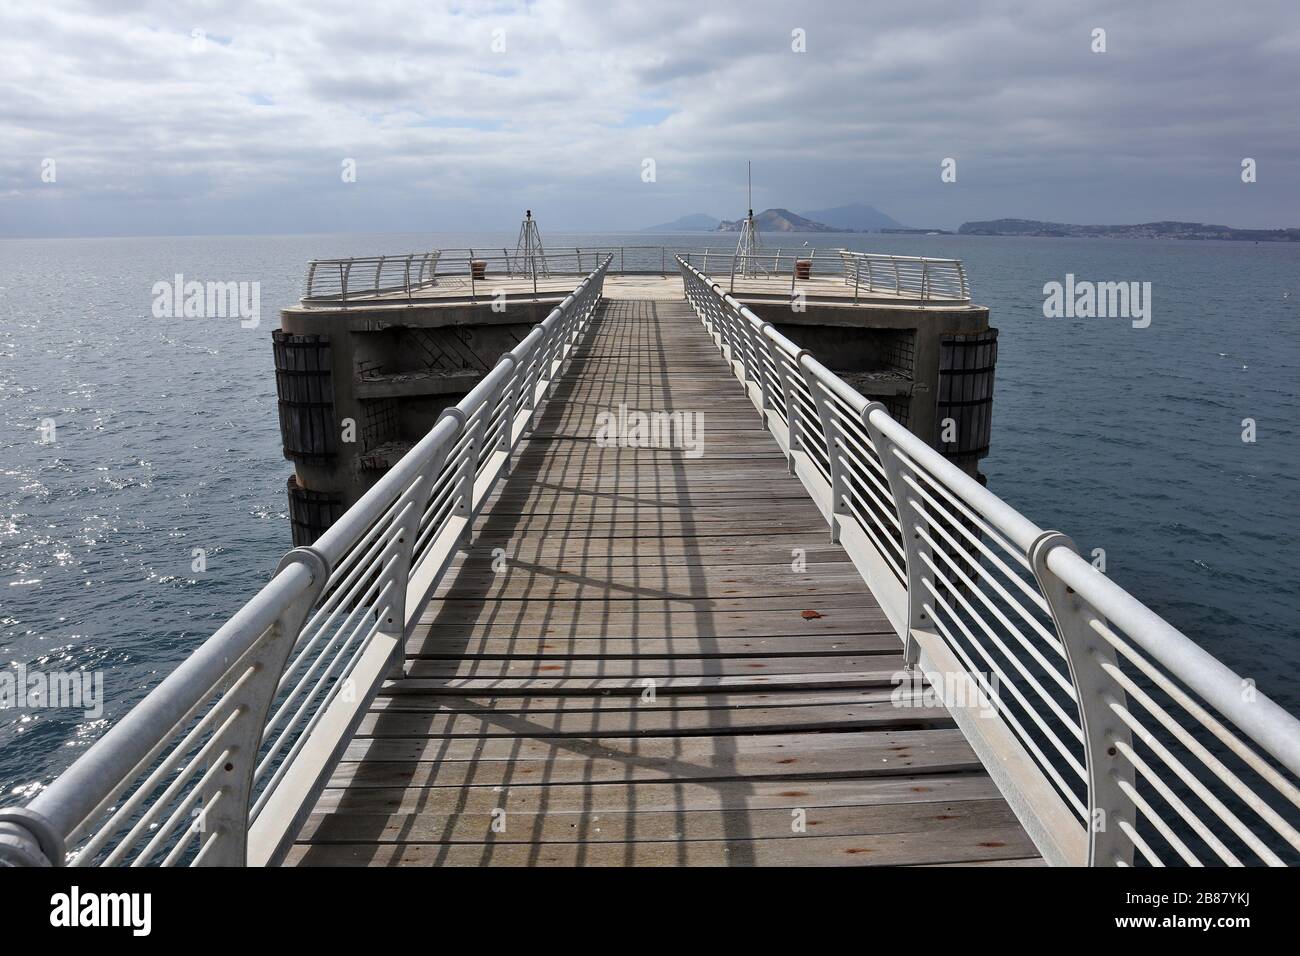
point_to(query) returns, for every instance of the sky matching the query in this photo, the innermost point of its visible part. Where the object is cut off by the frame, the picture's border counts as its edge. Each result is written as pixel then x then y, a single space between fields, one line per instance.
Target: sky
pixel 231 117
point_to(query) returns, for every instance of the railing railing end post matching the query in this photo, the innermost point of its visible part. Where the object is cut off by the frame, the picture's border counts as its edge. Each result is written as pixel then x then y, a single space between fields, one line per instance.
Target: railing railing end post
pixel 1104 734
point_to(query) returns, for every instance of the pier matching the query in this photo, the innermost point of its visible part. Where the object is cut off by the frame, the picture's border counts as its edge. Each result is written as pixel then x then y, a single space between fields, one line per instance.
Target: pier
pixel 380 346
pixel 811 638
pixel 642 678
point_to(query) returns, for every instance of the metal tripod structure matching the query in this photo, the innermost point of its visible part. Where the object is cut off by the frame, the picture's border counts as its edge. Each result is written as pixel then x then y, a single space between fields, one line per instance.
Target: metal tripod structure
pixel 530 257
pixel 747 249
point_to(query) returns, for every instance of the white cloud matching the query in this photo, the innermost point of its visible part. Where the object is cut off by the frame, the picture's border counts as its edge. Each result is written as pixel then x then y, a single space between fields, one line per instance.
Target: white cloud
pixel 247 133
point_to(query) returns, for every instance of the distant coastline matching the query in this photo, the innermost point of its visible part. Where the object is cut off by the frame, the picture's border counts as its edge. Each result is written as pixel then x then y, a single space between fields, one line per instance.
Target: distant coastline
pixel 861 218
pixel 1144 230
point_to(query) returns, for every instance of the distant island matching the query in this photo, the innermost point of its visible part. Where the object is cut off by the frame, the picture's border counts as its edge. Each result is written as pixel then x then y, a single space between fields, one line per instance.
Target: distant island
pixel 1143 230
pixel 855 217
pixel 779 220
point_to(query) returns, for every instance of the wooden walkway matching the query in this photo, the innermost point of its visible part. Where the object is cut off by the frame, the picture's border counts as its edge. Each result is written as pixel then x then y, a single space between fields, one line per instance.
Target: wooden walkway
pixel 649 679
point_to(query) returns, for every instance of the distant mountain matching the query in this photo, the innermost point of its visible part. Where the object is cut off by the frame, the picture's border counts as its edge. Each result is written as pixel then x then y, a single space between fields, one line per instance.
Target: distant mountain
pixel 857 217
pixel 778 220
pixel 1143 230
pixel 696 222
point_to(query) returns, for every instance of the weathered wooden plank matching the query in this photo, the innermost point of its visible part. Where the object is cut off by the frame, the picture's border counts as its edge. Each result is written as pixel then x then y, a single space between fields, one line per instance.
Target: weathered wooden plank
pixel 888 849
pixel 704 609
pixel 681 795
pixel 602 826
pixel 633 723
pixel 668 584
pixel 451 762
pixel 618 703
pixel 456 646
pixel 504 686
pixel 636 667
pixel 538 619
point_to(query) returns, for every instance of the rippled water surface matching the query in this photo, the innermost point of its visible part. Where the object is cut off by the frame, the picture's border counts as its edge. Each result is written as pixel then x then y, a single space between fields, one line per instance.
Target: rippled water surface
pixel 167 440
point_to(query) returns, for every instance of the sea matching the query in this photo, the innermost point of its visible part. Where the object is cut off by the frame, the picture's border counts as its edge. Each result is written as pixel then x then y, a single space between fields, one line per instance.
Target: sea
pixel 128 441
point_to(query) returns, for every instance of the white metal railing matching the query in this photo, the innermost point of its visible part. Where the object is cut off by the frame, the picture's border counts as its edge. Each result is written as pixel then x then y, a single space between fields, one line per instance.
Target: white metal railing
pixel 221 761
pixel 932 281
pixel 446 273
pixel 338 280
pixel 470 271
pixel 1114 737
pixel 907 276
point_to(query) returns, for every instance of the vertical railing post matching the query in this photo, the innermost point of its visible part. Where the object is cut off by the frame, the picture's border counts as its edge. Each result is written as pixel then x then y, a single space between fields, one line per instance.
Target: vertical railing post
pixel 528 382
pixel 910 507
pixel 728 318
pixel 479 442
pixel 1109 772
pixel 746 332
pixel 839 488
pixel 226 797
pixel 397 560
pixel 510 392
pixel 466 469
pixel 793 414
pixel 764 386
pixel 379 274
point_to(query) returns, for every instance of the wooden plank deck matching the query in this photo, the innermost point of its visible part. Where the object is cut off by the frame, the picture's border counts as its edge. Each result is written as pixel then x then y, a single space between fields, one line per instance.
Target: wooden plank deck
pixel 648 680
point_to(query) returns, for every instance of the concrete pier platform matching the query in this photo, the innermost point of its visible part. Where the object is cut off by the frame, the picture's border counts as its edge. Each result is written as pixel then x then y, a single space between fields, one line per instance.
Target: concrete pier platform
pixel 363 378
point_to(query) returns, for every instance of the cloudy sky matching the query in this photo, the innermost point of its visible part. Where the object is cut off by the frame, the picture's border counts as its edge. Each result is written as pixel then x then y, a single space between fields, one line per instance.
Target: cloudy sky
pixel 165 117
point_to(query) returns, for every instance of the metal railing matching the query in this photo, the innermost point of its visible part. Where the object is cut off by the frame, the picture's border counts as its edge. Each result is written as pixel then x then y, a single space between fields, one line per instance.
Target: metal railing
pixel 470 270
pixel 1114 737
pixel 932 281
pixel 908 276
pixel 445 273
pixel 338 280
pixel 221 761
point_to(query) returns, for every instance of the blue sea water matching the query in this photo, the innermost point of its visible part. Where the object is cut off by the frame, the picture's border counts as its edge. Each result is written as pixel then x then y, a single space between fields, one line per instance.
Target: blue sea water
pixel 167 440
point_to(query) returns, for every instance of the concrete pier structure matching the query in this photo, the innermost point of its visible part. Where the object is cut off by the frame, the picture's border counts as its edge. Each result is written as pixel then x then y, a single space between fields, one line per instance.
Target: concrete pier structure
pixel 379 347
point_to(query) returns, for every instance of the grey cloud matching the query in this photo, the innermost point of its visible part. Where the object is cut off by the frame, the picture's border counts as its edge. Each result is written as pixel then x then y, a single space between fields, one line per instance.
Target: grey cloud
pixel 442 126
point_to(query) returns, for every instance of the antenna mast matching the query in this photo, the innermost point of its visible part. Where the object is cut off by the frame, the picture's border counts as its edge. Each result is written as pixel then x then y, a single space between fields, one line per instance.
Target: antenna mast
pixel 530 258
pixel 747 249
